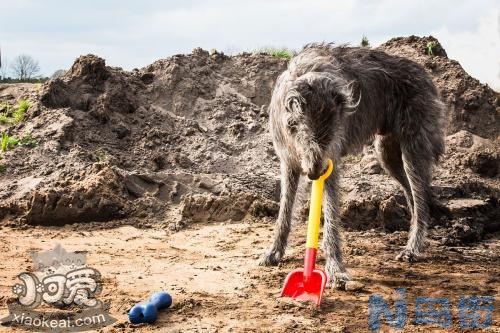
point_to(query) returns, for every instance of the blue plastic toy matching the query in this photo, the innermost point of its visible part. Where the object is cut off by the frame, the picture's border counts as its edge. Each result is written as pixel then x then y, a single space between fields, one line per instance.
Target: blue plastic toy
pixel 148 312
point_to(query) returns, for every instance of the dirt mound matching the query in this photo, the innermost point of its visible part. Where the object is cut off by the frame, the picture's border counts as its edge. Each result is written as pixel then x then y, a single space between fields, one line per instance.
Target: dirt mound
pixel 472 106
pixel 91 86
pixel 179 134
pixel 185 139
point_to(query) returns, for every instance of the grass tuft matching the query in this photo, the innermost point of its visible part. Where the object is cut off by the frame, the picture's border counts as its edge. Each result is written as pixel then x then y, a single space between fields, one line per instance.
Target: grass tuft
pixel 28 141
pixel 283 53
pixel 430 48
pixel 11 115
pixel 101 155
pixel 22 106
pixel 10 142
pixel 365 42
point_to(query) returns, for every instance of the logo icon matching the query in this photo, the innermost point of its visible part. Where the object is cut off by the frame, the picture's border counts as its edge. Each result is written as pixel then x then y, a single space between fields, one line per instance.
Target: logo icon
pixel 61 280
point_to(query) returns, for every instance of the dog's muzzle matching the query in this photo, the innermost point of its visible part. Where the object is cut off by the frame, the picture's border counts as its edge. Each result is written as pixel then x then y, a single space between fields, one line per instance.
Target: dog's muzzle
pixel 318 168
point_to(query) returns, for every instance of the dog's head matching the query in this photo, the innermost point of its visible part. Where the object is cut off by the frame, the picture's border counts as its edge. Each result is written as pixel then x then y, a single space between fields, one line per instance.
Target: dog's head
pixel 316 104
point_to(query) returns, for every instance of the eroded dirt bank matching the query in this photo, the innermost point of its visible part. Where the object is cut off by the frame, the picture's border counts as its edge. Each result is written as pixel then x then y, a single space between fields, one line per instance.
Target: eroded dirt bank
pixel 185 139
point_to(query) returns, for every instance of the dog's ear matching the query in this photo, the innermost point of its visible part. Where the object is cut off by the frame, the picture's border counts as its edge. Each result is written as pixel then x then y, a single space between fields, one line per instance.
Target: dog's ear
pixel 295 97
pixel 293 104
pixel 333 91
pixel 343 97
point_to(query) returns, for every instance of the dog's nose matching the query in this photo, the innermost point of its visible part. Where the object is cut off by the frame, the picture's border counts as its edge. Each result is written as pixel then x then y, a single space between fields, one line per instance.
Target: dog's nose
pixel 313 175
pixel 318 169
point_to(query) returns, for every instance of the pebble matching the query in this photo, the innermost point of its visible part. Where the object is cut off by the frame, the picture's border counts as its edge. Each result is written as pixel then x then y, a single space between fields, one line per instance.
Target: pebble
pixel 354 286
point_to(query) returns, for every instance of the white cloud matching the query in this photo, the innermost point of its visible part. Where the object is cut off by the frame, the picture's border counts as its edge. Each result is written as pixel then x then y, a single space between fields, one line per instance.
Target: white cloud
pixel 132 34
pixel 478 51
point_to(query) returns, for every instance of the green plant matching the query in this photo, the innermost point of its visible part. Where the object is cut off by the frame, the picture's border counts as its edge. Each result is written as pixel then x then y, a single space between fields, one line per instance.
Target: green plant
pixel 283 53
pixel 13 115
pixel 28 140
pixel 8 142
pixel 2 166
pixel 4 142
pixel 4 118
pixel 430 48
pixel 101 155
pixel 22 106
pixel 351 158
pixel 365 42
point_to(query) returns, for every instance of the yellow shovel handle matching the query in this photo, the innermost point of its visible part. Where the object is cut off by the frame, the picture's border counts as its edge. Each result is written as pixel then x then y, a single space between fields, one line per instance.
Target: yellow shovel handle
pixel 315 208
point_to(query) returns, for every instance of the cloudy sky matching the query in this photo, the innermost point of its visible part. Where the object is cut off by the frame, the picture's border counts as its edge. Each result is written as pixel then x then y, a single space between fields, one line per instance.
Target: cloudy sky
pixel 135 33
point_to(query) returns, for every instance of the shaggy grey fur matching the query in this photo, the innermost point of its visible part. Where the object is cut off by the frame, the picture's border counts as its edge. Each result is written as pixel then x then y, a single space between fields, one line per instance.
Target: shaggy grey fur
pixel 333 100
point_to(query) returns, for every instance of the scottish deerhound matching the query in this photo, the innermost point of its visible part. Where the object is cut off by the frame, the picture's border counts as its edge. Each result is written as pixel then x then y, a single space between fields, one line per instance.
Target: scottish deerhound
pixel 333 100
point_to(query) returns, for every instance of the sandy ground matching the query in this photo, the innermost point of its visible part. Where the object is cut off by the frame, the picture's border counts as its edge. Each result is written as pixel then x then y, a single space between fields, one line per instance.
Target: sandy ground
pixel 211 270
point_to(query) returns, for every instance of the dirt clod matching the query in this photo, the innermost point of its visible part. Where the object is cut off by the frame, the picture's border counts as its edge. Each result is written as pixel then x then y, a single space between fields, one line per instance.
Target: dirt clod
pixel 354 286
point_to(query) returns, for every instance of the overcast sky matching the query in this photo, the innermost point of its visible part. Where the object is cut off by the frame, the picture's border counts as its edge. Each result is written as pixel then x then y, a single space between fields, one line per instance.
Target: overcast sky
pixel 135 33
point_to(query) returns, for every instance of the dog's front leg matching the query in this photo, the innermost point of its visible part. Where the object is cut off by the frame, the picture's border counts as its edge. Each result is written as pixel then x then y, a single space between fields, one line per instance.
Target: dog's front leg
pixel 290 176
pixel 335 269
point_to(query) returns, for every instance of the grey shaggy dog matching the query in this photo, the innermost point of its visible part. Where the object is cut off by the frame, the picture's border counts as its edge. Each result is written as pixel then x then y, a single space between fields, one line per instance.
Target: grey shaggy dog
pixel 330 102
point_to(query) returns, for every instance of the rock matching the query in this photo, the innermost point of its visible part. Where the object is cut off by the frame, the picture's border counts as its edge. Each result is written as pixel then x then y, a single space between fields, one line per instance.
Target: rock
pixel 354 286
pixel 393 215
pixel 373 168
pixel 485 161
pixel 464 231
pixel 121 130
pixel 466 207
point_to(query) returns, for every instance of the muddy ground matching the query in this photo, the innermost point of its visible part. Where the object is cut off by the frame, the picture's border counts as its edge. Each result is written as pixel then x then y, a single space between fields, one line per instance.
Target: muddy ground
pixel 167 177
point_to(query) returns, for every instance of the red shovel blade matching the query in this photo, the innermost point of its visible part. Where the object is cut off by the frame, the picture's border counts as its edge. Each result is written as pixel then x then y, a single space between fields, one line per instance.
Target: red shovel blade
pixel 297 287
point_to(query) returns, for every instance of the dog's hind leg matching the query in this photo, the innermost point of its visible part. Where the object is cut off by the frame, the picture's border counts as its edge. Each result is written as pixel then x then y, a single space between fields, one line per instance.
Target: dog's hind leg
pixel 388 150
pixel 335 268
pixel 290 177
pixel 417 163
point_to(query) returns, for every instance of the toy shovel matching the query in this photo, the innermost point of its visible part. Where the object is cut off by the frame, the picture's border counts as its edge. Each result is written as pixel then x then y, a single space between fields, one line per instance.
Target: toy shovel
pixel 307 284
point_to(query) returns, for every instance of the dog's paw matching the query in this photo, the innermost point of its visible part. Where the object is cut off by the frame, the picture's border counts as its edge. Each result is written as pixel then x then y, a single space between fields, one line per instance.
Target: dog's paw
pixel 338 281
pixel 407 256
pixel 271 259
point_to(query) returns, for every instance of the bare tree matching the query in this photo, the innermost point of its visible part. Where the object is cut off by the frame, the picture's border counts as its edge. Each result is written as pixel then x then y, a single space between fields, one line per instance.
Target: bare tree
pixel 4 69
pixel 3 66
pixel 25 67
pixel 58 73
